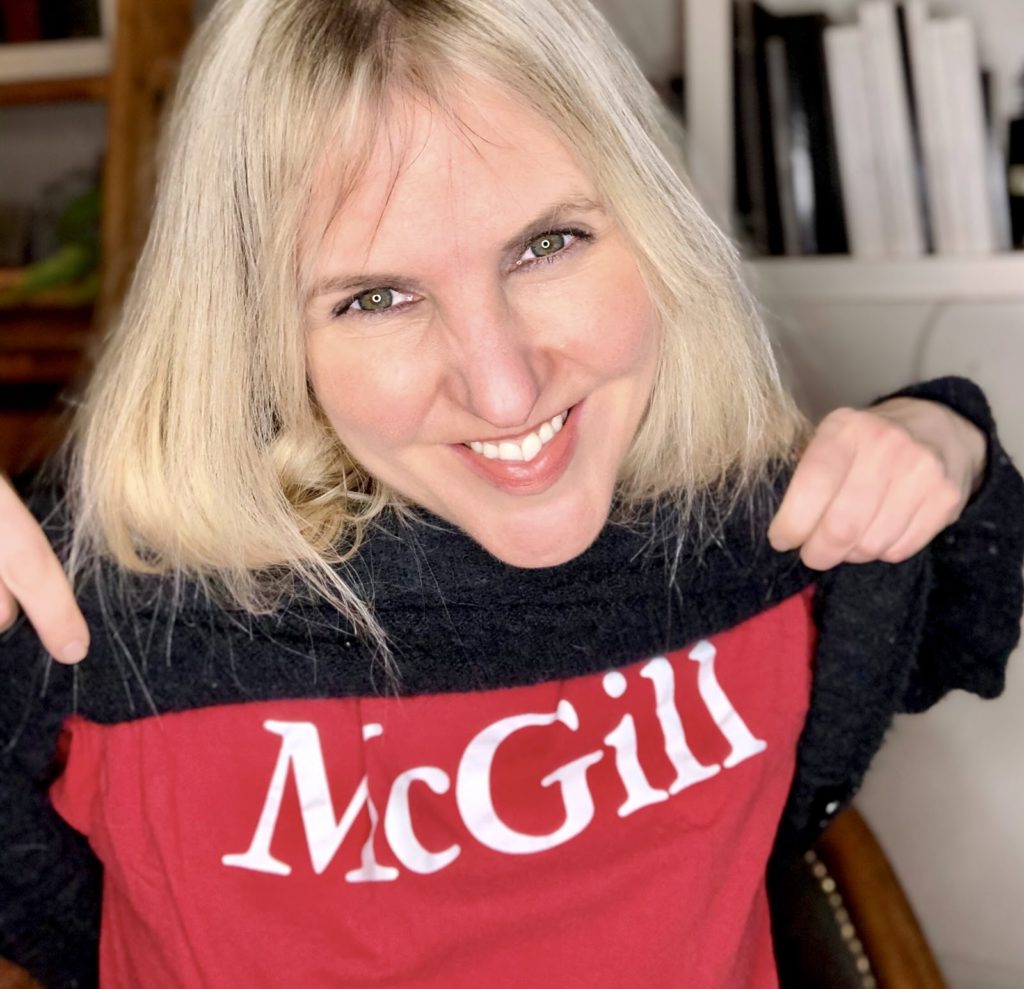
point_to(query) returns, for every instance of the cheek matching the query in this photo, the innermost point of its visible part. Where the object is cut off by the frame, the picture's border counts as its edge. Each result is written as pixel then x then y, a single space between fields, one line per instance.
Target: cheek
pixel 614 330
pixel 372 395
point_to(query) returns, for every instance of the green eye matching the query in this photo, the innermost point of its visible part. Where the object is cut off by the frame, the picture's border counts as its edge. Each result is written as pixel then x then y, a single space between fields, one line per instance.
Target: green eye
pixel 375 300
pixel 547 244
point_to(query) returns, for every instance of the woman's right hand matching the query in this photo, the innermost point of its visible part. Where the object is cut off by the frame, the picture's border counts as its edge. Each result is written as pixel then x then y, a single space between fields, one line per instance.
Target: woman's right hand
pixel 32 578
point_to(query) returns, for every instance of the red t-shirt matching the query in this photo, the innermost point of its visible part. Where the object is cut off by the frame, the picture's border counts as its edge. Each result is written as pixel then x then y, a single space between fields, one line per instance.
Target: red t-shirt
pixel 606 830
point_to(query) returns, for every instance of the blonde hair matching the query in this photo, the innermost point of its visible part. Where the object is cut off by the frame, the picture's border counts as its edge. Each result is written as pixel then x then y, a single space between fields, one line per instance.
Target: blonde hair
pixel 199 449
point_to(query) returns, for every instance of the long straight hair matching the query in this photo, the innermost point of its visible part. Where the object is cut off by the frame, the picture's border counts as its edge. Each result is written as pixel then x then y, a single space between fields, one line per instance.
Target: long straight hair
pixel 199 449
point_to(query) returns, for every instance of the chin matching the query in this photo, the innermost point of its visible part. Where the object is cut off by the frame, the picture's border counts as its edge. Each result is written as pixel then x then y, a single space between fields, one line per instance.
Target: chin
pixel 535 539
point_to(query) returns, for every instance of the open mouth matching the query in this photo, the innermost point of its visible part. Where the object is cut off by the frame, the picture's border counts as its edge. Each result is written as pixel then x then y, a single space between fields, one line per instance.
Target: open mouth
pixel 523 448
pixel 526 464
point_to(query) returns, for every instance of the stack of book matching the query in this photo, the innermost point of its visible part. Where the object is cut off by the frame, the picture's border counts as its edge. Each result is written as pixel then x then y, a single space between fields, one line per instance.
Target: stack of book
pixel 873 138
pixel 48 20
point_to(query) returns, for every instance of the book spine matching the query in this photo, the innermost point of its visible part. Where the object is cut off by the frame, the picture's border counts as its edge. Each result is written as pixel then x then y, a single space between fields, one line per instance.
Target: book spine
pixel 782 143
pixel 751 196
pixel 888 97
pixel 931 120
pixel 20 21
pixel 818 184
pixel 802 191
pixel 1015 180
pixel 858 166
pixel 968 147
pixel 916 139
pixel 994 160
pixel 764 27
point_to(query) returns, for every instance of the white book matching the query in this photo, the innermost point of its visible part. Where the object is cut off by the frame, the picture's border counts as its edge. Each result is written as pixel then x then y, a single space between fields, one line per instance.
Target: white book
pixel 932 121
pixel 858 167
pixel 709 106
pixel 888 99
pixel 967 151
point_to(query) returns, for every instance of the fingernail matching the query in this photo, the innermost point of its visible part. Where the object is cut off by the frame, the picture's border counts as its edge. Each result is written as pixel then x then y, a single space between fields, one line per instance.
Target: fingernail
pixel 74 652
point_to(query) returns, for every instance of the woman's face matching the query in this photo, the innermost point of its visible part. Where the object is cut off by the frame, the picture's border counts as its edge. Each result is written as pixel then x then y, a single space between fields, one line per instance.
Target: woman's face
pixel 478 332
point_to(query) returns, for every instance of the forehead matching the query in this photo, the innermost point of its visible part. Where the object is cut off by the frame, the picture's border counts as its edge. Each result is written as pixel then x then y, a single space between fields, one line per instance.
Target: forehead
pixel 484 163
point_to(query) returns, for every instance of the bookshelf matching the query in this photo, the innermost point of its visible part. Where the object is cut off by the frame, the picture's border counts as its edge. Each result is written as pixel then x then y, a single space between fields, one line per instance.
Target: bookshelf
pixel 998 277
pixel 849 330
pixel 131 71
pixel 89 89
pixel 708 43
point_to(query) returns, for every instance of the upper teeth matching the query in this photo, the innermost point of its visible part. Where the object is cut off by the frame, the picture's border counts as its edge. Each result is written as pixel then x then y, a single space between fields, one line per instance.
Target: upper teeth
pixel 525 449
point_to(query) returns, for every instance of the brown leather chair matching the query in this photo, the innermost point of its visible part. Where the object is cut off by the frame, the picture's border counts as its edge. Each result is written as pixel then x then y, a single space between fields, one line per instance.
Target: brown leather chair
pixel 841 920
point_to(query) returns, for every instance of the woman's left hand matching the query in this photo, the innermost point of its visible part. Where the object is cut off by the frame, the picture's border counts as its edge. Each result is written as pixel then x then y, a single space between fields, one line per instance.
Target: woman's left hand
pixel 879 483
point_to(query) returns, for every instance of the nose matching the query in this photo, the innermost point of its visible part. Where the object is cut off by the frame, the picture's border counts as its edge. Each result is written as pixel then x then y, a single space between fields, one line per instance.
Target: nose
pixel 496 368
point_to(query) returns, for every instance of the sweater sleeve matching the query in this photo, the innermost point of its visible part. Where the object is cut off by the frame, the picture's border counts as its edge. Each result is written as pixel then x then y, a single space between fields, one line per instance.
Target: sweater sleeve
pixel 972 621
pixel 49 878
pixel 897 638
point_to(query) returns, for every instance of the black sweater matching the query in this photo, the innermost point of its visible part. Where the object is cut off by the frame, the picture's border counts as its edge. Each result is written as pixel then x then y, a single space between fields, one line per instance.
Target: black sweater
pixel 891 639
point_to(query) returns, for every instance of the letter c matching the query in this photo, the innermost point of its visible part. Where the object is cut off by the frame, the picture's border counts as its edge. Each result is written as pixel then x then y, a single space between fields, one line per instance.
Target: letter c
pixel 398 822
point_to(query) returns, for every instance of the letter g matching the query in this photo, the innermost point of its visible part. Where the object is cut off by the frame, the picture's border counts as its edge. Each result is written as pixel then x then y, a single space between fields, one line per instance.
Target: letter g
pixel 473 787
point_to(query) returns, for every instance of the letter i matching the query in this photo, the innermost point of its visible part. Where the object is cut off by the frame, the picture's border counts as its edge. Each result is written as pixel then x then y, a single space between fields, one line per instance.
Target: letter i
pixel 730 724
pixel 622 738
pixel 689 769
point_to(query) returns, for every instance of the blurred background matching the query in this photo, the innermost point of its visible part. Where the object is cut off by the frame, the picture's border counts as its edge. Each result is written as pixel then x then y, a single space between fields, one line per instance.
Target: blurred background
pixel 867 156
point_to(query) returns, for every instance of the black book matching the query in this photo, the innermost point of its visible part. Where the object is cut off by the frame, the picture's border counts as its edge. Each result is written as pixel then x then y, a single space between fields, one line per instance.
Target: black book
pixel 815 185
pixel 757 202
pixel 70 19
pixel 753 176
pixel 788 192
pixel 1015 180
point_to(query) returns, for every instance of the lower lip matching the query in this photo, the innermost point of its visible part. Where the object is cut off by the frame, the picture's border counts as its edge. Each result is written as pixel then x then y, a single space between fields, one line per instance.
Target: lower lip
pixel 519 477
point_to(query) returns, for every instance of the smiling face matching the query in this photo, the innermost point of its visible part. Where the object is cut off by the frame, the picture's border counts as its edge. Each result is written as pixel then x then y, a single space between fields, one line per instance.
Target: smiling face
pixel 478 333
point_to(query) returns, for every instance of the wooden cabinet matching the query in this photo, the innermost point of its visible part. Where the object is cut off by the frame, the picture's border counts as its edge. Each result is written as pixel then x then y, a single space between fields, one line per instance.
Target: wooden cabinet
pixel 43 348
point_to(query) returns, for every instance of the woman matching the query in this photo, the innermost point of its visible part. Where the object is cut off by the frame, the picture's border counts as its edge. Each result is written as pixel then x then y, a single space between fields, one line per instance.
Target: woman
pixel 425 303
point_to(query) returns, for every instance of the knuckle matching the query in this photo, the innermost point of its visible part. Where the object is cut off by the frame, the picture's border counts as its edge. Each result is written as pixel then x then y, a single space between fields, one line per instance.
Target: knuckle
pixel 896 443
pixel 949 500
pixel 861 427
pixel 816 557
pixel 897 554
pixel 8 612
pixel 840 530
pixel 928 463
pixel 948 494
pixel 872 547
pixel 839 418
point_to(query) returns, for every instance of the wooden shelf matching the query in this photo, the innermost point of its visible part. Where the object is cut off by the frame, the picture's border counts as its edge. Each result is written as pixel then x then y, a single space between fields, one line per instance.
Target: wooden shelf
pixel 990 278
pixel 43 346
pixel 71 296
pixel 93 89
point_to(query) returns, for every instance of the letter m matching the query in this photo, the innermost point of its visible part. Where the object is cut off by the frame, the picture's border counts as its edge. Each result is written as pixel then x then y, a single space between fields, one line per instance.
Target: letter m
pixel 301 753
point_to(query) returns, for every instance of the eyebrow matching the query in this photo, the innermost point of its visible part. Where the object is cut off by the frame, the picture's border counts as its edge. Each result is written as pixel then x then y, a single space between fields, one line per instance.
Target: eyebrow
pixel 552 216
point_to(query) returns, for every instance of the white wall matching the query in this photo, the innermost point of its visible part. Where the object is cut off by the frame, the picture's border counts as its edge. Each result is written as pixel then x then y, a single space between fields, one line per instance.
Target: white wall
pixel 652 30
